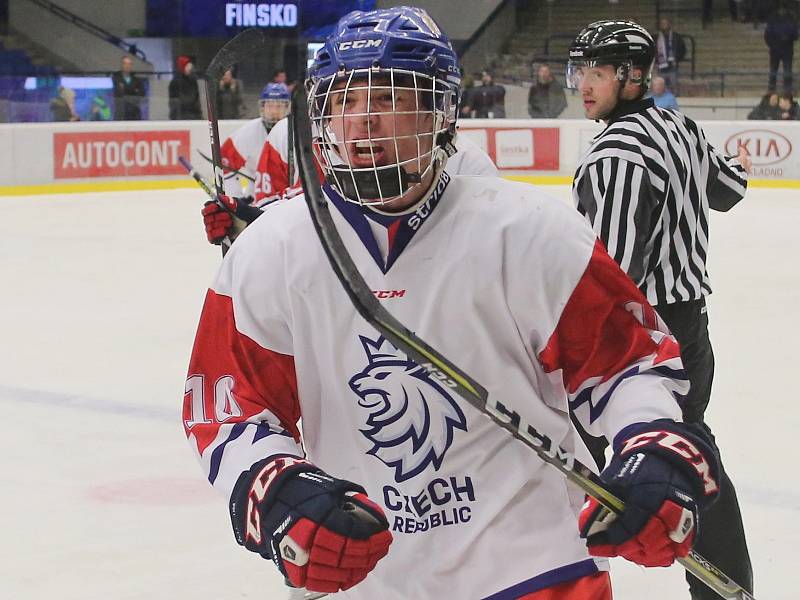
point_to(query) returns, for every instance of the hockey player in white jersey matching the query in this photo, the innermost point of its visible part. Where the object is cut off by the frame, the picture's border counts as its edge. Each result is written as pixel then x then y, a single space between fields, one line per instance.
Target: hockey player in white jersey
pixel 396 489
pixel 241 151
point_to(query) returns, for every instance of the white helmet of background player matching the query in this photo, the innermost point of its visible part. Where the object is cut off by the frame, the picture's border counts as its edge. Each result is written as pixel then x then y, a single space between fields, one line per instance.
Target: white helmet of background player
pixel 274 102
pixel 383 92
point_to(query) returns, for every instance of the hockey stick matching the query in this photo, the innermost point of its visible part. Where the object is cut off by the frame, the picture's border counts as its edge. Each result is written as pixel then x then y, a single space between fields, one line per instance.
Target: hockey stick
pixel 233 171
pixel 241 46
pixel 441 369
pixel 201 181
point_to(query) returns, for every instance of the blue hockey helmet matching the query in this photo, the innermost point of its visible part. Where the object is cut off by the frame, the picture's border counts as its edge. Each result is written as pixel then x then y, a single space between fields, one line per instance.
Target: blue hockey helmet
pixel 274 100
pixel 402 37
pixel 275 91
pixel 405 71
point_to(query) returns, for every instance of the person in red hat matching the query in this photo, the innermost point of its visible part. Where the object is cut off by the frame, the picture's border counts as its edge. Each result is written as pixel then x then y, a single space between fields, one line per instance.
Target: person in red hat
pixel 184 95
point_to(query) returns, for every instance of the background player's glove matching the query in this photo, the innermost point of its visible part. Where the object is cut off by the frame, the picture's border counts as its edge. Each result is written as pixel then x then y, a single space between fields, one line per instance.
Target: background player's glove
pixel 665 472
pixel 323 533
pixel 227 217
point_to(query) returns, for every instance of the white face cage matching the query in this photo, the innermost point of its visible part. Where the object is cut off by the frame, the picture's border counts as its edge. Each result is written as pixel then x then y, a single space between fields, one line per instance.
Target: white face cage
pixel 379 132
pixel 273 111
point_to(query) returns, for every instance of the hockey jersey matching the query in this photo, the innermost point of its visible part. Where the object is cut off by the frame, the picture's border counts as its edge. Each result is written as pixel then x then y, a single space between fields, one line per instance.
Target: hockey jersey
pixel 508 283
pixel 241 152
pixel 273 165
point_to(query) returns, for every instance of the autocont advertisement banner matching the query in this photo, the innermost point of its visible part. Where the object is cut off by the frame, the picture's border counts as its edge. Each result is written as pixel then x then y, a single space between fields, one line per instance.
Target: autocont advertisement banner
pixel 119 153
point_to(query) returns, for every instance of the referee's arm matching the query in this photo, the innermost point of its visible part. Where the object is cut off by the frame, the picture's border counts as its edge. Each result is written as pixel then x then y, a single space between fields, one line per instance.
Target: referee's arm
pixel 619 200
pixel 727 180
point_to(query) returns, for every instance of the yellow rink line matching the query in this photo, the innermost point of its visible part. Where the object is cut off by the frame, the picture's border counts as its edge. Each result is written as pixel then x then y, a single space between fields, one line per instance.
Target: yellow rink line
pixel 173 184
pixel 97 186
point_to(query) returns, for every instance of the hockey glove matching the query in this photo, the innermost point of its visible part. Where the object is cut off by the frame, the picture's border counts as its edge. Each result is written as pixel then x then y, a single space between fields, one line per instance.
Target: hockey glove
pixel 665 472
pixel 323 533
pixel 227 217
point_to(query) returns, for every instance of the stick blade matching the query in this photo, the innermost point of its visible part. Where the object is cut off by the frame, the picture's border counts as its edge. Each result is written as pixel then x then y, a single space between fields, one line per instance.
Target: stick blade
pixel 239 47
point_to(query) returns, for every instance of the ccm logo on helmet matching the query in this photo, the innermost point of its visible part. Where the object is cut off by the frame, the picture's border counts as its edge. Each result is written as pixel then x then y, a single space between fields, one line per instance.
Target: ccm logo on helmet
pixel 358 44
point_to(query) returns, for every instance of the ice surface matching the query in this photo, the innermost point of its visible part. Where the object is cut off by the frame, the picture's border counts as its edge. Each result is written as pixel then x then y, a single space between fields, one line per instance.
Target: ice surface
pixel 101 497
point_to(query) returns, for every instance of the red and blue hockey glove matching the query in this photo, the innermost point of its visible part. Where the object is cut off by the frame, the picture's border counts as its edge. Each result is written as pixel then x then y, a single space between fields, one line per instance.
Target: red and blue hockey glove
pixel 218 217
pixel 665 472
pixel 324 534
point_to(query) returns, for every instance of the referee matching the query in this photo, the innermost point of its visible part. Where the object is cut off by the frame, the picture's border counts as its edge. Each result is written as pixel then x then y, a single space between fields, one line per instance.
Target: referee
pixel 646 185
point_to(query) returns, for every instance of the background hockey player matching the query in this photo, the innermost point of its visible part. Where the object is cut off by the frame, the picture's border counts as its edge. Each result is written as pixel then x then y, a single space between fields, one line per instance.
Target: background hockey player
pixel 277 177
pixel 396 489
pixel 646 184
pixel 241 151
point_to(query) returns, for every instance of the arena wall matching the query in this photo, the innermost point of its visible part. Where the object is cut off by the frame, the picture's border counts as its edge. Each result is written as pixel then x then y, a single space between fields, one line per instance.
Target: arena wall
pixel 59 157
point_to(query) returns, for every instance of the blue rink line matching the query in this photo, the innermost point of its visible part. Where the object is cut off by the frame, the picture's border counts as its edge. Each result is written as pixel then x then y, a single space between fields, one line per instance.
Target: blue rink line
pixel 783 499
pixel 77 402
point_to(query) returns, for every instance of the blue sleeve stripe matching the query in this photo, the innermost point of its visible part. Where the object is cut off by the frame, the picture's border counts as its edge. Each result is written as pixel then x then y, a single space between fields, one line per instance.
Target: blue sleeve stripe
pixel 585 396
pixel 216 456
pixel 237 430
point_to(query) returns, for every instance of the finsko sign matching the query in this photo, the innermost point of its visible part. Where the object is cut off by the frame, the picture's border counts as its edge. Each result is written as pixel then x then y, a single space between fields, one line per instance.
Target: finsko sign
pixel 118 153
pixel 250 14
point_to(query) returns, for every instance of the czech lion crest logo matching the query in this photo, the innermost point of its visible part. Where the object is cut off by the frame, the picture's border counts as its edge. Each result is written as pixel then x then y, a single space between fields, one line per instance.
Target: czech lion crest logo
pixel 412 418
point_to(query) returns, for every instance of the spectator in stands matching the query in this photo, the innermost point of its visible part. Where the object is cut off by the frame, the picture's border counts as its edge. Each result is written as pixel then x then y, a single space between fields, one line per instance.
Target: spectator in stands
pixel 129 92
pixel 670 51
pixel 62 106
pixel 467 91
pixel 767 109
pixel 662 97
pixel 489 99
pixel 788 108
pixel 184 95
pixel 780 36
pixel 279 76
pixel 229 97
pixel 546 98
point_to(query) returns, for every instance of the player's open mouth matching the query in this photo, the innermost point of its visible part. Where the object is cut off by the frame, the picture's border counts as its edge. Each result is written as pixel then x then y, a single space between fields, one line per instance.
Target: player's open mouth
pixel 362 154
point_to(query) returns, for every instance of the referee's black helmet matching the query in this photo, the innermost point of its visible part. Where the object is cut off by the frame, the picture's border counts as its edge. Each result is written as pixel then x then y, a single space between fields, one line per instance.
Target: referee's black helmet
pixel 614 42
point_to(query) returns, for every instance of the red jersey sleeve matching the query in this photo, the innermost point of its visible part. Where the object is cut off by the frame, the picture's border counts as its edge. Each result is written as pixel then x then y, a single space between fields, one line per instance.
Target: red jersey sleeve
pixel 232 160
pixel 613 350
pixel 240 403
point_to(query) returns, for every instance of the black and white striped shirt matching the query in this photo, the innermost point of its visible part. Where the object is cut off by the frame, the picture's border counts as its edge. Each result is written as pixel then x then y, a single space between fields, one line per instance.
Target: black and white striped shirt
pixel 646 185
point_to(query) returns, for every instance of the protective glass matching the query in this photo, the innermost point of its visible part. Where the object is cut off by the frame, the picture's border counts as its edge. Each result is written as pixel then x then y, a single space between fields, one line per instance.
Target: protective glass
pixel 379 132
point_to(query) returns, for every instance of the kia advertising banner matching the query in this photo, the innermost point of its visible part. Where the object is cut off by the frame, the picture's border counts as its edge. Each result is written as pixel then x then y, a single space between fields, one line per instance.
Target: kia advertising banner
pixel 517 148
pixel 119 153
pixel 773 145
pixel 770 150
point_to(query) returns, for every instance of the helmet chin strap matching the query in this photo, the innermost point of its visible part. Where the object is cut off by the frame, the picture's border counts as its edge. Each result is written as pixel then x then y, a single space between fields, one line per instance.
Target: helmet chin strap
pixel 390 181
pixel 437 172
pixel 372 184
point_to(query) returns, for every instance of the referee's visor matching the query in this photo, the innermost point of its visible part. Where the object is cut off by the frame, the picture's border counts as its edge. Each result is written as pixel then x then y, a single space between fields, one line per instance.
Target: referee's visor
pixel 595 72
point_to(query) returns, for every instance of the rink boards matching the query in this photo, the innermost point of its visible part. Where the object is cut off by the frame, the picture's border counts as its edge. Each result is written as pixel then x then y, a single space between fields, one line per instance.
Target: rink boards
pixel 118 156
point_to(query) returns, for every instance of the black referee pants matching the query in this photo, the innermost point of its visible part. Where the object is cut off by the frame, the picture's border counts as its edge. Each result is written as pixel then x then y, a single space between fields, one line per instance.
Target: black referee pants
pixel 721 537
